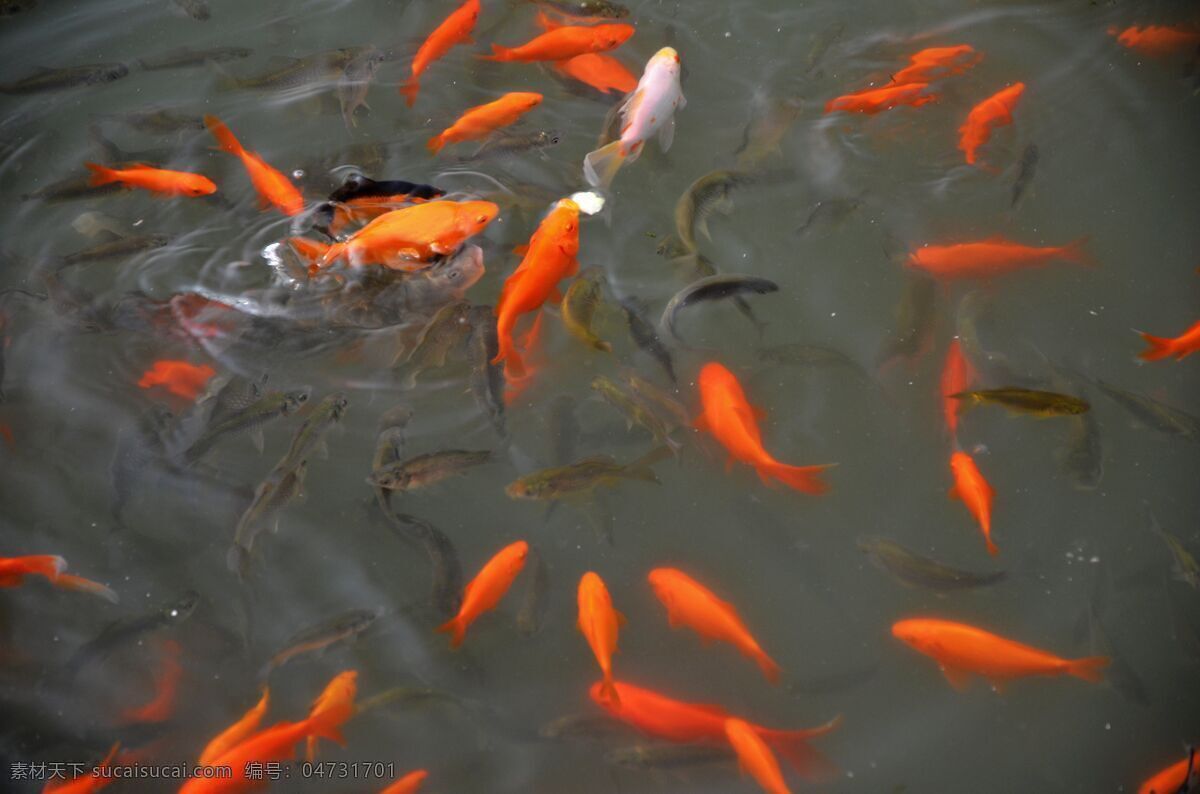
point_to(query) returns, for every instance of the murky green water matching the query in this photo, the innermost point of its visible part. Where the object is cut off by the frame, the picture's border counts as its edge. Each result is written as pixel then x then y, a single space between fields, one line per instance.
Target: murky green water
pixel 1116 134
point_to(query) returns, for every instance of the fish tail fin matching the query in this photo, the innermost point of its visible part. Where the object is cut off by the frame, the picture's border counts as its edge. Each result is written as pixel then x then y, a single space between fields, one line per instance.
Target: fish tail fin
pixel 992 548
pixel 600 167
pixel 456 629
pixel 82 585
pixel 1076 251
pixel 409 90
pixel 608 690
pixel 641 468
pixel 809 763
pixel 100 175
pixel 225 138
pixel 805 479
pixel 435 143
pixel 498 54
pixel 768 666
pixel 1089 668
pixel 1160 347
pixel 333 708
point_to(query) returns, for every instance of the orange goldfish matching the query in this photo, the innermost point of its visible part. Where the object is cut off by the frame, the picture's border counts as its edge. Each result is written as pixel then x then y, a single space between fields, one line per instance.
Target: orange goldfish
pixel 549 258
pixel 1178 777
pixel 406 239
pixel 1157 39
pixel 365 209
pixel 563 43
pixel 181 378
pixel 455 29
pixel 278 743
pixel 992 257
pixel 274 189
pixel 599 623
pixel 156 180
pixel 484 592
pixel 975 492
pixel 995 111
pixel 409 784
pixel 602 72
pixel 691 604
pixel 480 120
pixel 88 782
pixel 236 733
pixel 934 63
pixel 1181 346
pixel 957 376
pixel 877 100
pixel 13 571
pixel 754 756
pixel 963 650
pixel 166 686
pixel 676 721
pixel 733 422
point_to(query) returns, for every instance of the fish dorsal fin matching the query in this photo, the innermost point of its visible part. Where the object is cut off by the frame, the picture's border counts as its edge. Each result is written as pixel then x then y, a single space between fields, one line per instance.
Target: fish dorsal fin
pixel 959 679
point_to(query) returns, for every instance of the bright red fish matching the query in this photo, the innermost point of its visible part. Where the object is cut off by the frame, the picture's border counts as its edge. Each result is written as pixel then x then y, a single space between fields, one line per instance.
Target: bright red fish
pixel 180 378
pixel 1176 778
pixel 409 784
pixel 1180 347
pixel 89 782
pixel 993 257
pixel 602 72
pixel 734 423
pixel 13 571
pixel 156 180
pixel 166 688
pixel 236 733
pixel 676 721
pixel 479 121
pixel 975 492
pixel 599 623
pixel 1157 40
pixel 562 43
pixel 935 63
pixel 455 29
pixel 957 376
pixel 995 111
pixel 755 757
pixel 274 189
pixel 877 100
pixel 484 592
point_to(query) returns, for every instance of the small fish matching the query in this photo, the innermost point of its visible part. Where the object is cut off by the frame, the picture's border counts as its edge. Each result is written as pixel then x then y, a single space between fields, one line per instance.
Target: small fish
pixel 829 212
pixel 599 623
pixel 579 306
pixel 454 29
pixel 1025 171
pixel 764 133
pixel 1185 567
pixel 995 111
pixel 755 756
pixel 722 285
pixel 272 495
pixel 272 405
pixel 957 376
pixel 273 187
pixel 322 67
pixel 317 639
pixel 486 379
pixel 13 571
pixel 916 315
pixel 446 587
pixel 917 571
pixel 231 394
pixel 509 144
pixel 636 412
pixel 445 330
pixel 963 650
pixel 484 592
pixel 181 378
pixel 70 189
pixel 1040 404
pixel 993 367
pixel 186 57
pixel 1082 458
pixel 1120 675
pixel 117 247
pixel 425 470
pixel 668 756
pixel 646 337
pixel 1157 40
pixel 580 479
pixel 1180 347
pixel 167 676
pixel 311 434
pixel 672 411
pixel 356 80
pixel 876 100
pixel 708 194
pixel 155 180
pixel 55 79
pixel 975 492
pixel 389 447
pixel 196 9
pixel 937 63
pixel 158 121
pixel 477 122
pixel 1154 414
pixel 534 601
pixel 127 630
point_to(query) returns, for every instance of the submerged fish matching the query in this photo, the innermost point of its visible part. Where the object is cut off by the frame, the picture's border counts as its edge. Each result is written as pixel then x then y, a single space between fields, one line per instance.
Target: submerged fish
pixel 917 571
pixel 1025 172
pixel 428 469
pixel 54 79
pixel 270 406
pixel 446 588
pixel 635 412
pixel 669 756
pixel 158 121
pixel 272 495
pixel 1041 404
pixel 506 144
pixel 831 212
pixel 532 611
pixel 765 131
pixel 645 337
pixel 582 726
pixel 578 480
pixel 487 379
pixel 993 367
pixel 915 317
pixel 70 189
pixel 127 630
pixel 322 67
pixel 579 306
pixel 1154 414
pixel 389 446
pixel 722 285
pixel 185 57
pixel 1082 458
pixel 708 194
pixel 444 331
pixel 110 249
pixel 356 80
pixel 601 9
pixel 802 355
pixel 317 639
pixel 658 399
pixel 311 435
pixel 1185 568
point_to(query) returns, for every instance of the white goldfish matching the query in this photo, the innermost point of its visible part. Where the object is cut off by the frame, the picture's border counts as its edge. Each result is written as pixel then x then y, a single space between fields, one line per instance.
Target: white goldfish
pixel 649 109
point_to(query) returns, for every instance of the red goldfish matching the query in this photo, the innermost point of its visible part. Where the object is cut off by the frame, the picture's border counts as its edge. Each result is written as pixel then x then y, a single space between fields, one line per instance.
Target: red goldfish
pixel 602 72
pixel 549 258
pixel 733 422
pixel 1157 39
pixel 599 623
pixel 975 492
pixel 962 650
pixel 691 604
pixel 484 592
pixel 877 100
pixel 88 782
pixel 166 686
pixel 563 43
pixel 455 29
pixel 236 733
pixel 957 376
pixel 274 189
pixel 676 721
pixel 156 180
pixel 278 743
pixel 409 784
pixel 754 756
pixel 992 257
pixel 934 63
pixel 406 239
pixel 480 120
pixel 1178 777
pixel 13 571
pixel 181 378
pixel 995 111
pixel 1181 346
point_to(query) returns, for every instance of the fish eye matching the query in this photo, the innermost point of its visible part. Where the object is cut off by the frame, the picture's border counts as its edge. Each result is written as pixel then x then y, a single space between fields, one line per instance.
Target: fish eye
pixel 481 219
